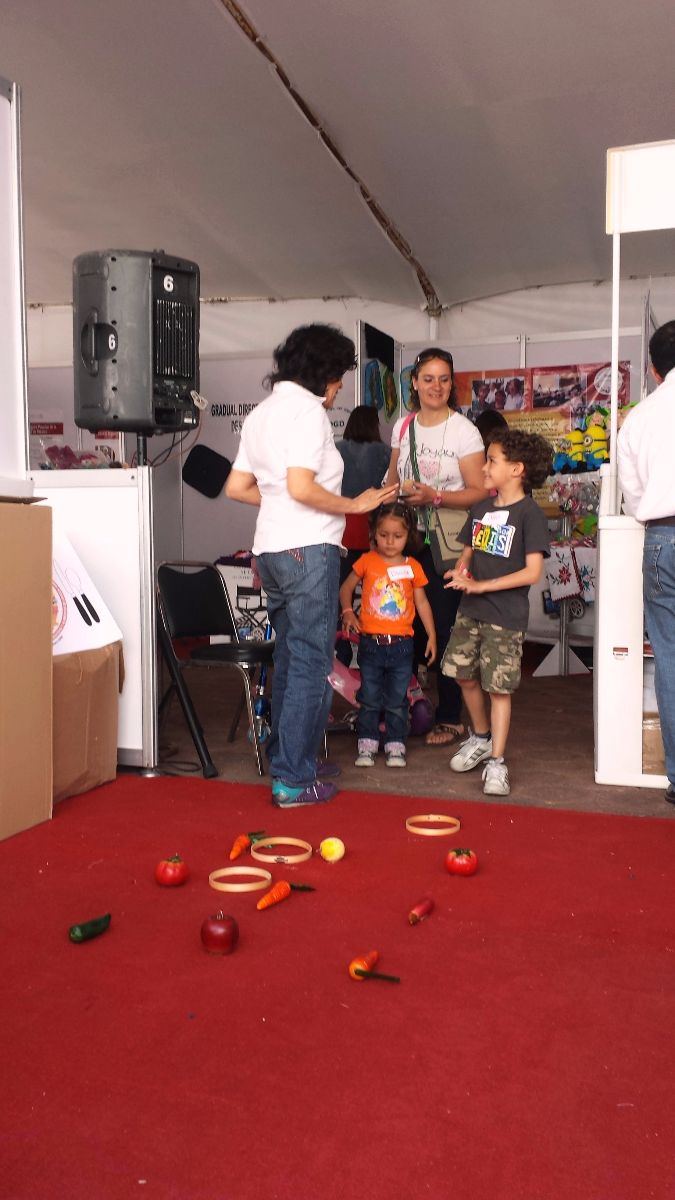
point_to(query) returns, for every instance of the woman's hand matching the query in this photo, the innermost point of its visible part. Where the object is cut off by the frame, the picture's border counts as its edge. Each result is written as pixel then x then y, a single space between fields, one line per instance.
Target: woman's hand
pixel 373 497
pixel 419 495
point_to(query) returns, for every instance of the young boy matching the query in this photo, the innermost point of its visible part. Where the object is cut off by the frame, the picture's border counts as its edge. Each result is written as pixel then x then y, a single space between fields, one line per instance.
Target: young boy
pixel 506 540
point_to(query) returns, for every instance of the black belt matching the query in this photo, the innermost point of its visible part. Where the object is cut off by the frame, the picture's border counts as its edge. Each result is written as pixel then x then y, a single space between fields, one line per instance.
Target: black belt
pixel 385 639
pixel 660 521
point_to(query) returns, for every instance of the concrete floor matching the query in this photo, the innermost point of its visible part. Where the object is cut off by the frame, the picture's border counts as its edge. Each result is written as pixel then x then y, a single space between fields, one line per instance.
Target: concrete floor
pixel 550 754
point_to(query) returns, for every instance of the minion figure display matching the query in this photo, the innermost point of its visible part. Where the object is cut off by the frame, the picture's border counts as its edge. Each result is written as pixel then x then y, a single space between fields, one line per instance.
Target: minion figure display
pixel 575 453
pixel 596 441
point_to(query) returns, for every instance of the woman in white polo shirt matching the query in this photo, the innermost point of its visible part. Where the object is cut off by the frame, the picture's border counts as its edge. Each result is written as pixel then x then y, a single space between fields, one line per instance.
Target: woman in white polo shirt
pixel 288 466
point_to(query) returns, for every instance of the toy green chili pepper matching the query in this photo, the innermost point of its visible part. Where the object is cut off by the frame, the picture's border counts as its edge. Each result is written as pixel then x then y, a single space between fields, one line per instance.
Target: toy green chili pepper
pixel 87 930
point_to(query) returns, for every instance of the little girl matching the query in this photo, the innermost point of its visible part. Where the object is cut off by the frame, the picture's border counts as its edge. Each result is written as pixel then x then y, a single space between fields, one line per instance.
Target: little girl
pixel 393 590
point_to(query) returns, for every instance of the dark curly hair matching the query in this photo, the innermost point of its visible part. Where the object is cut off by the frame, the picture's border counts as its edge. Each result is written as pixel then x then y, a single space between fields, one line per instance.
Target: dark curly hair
pixel 313 356
pixel 533 451
pixel 404 513
pixel 426 356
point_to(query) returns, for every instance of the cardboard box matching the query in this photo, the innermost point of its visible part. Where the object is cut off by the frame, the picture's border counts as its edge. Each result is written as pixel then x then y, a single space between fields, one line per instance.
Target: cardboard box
pixel 25 666
pixel 87 684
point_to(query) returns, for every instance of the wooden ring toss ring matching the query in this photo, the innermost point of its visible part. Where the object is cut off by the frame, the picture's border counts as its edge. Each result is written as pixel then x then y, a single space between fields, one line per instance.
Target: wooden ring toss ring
pixel 262 843
pixel 452 824
pixel 264 879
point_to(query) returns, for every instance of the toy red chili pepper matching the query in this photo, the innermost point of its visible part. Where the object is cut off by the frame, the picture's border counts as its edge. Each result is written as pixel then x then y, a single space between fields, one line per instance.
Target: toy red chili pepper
pixel 421 910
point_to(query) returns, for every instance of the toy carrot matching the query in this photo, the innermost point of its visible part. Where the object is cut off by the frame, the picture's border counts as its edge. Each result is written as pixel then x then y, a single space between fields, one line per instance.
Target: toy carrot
pixel 279 892
pixel 363 965
pixel 361 968
pixel 244 841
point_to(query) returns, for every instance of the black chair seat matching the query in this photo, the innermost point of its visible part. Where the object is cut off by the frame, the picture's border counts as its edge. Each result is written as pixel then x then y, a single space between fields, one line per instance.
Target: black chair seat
pixel 247 654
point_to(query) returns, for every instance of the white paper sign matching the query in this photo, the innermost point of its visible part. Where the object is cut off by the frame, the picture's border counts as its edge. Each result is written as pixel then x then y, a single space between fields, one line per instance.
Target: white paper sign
pixel 80 618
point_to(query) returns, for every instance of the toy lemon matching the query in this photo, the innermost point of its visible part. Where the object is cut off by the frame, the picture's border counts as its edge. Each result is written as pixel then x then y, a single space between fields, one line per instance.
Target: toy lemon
pixel 332 849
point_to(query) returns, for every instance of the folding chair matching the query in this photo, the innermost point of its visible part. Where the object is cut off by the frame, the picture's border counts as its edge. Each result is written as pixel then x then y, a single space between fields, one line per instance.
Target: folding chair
pixel 193 602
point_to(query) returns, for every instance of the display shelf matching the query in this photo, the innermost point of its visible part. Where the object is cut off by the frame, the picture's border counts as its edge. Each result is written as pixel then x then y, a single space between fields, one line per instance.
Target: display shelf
pixel 561 660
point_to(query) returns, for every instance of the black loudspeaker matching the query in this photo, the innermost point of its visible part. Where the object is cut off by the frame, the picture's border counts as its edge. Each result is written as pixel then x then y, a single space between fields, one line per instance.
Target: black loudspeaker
pixel 135 341
pixel 206 471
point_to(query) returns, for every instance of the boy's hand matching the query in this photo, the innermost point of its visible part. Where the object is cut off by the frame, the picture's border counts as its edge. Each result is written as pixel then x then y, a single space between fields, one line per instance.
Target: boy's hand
pixel 430 652
pixel 466 583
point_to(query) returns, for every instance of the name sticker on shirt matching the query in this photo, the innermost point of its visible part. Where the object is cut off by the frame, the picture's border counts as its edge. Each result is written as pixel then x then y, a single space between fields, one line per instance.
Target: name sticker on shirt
pixel 402 572
pixel 495 518
pixel 492 539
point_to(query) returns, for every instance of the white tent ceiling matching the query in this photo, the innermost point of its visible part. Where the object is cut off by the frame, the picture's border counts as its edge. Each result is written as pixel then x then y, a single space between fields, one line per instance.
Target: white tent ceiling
pixel 479 127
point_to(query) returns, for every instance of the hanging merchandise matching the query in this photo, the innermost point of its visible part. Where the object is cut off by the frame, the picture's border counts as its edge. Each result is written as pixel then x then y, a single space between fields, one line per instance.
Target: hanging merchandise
pixel 562 576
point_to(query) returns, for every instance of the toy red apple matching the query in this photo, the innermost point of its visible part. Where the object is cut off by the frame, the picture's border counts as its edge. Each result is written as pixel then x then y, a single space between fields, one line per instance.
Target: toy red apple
pixel 220 934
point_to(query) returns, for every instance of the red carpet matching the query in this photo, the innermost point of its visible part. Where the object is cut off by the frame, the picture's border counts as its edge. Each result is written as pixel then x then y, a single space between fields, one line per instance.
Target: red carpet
pixel 527 1052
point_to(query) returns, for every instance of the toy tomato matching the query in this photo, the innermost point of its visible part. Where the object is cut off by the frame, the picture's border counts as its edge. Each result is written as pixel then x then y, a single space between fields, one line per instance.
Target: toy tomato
pixel 220 934
pixel 171 872
pixel 462 862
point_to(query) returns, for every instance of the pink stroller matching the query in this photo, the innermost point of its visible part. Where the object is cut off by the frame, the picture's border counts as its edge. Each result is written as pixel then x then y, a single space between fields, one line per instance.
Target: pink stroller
pixel 346 681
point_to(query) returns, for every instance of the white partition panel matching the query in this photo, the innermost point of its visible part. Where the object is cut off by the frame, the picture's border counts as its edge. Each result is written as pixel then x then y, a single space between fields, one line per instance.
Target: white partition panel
pixel 108 517
pixel 13 460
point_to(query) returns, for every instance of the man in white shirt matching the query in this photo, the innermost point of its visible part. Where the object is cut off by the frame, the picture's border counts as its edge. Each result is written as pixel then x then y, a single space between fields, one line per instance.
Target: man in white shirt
pixel 647 477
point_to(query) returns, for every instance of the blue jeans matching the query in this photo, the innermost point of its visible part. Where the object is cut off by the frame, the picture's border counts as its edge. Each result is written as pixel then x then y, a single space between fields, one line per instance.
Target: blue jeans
pixel 385 675
pixel 302 597
pixel 658 567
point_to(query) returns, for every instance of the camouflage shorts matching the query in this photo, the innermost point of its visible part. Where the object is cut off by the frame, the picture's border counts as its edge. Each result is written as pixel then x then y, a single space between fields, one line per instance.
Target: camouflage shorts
pixel 477 650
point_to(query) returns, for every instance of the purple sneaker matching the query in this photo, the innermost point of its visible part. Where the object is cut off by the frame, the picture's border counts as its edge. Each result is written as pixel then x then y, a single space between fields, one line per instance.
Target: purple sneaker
pixel 325 769
pixel 284 796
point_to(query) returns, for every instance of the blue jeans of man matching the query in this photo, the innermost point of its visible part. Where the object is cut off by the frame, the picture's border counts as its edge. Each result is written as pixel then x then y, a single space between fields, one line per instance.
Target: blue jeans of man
pixel 302 596
pixel 385 674
pixel 658 568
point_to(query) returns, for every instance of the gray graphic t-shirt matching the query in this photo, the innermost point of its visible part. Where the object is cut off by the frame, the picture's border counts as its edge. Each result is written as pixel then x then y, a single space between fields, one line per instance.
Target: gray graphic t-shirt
pixel 501 537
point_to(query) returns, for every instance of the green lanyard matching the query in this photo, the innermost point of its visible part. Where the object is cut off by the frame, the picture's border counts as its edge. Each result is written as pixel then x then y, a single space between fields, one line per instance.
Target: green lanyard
pixel 416 477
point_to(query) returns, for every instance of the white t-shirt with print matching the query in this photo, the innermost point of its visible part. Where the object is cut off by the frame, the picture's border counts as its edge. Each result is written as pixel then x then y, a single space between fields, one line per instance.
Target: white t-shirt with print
pixel 439 450
pixel 290 429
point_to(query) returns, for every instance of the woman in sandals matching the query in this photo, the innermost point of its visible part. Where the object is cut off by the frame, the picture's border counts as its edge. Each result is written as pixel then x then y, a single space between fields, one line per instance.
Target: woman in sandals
pixel 449 455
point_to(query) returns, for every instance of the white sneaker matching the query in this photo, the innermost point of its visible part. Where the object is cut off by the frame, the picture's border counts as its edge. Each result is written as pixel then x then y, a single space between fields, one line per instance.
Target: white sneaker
pixel 364 758
pixel 395 758
pixel 471 752
pixel 496 778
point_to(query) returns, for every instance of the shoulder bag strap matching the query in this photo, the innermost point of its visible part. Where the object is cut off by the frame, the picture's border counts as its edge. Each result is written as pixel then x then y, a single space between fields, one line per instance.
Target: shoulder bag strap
pixel 416 477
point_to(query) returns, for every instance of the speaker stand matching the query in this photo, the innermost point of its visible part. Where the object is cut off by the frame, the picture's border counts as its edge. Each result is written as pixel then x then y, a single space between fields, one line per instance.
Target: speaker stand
pixel 141 450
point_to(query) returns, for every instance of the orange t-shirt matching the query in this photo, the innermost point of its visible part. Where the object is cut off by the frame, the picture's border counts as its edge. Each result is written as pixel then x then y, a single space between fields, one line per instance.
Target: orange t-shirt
pixel 387 604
